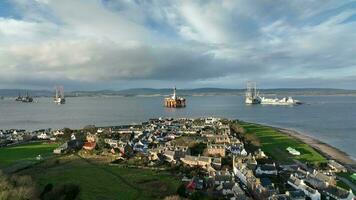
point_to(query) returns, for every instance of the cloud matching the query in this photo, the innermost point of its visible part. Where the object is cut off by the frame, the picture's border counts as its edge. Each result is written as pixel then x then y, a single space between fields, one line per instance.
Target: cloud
pixel 192 42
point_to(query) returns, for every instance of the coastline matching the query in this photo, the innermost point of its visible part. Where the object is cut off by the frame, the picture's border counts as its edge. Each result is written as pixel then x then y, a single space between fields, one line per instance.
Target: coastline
pixel 325 149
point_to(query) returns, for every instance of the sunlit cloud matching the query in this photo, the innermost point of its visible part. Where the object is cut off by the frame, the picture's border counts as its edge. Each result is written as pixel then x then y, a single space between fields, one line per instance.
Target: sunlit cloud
pixel 192 43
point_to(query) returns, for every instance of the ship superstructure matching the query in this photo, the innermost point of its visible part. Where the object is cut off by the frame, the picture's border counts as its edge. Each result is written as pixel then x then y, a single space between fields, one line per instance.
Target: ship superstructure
pixel 251 94
pixel 25 99
pixel 59 96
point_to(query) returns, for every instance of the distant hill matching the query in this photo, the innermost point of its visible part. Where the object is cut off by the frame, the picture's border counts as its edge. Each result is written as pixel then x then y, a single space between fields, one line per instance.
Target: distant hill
pixel 181 92
pixel 23 92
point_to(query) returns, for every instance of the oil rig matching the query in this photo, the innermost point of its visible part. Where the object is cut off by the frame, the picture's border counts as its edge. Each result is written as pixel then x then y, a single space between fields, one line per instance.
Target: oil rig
pixel 174 101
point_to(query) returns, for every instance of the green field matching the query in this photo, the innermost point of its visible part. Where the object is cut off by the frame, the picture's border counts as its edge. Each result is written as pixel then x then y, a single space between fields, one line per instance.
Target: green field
pixel 274 143
pixel 24 153
pixel 98 181
pixel 95 180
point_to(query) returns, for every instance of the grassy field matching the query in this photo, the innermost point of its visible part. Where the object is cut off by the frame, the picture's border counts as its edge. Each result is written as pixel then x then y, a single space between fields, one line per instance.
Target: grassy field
pixel 274 143
pixel 24 153
pixel 98 181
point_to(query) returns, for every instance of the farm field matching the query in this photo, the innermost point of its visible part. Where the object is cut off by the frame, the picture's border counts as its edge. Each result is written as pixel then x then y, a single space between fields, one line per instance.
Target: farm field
pixel 274 143
pixel 24 153
pixel 98 181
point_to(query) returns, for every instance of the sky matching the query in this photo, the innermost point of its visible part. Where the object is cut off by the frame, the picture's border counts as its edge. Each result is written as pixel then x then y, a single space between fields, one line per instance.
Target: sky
pixel 120 44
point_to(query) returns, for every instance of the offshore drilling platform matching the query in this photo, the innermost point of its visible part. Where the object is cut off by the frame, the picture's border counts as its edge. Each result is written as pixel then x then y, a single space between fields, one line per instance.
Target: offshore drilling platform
pixel 174 101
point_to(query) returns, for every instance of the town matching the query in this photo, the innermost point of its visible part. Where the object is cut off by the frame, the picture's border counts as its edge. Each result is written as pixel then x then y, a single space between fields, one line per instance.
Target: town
pixel 211 156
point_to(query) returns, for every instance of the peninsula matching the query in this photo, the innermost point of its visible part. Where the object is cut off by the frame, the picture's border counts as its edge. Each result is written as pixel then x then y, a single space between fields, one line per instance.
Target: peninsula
pixel 175 159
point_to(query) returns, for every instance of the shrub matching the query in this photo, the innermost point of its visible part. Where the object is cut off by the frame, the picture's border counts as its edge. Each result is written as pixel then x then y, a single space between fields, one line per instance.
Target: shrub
pixel 65 192
pixel 17 187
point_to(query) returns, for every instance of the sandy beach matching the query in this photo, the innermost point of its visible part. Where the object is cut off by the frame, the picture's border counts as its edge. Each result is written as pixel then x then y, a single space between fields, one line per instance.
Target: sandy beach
pixel 325 149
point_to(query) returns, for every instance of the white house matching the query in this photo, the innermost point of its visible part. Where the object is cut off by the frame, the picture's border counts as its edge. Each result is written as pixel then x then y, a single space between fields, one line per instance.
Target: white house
pixel 58 132
pixel 266 169
pixel 308 191
pixel 43 136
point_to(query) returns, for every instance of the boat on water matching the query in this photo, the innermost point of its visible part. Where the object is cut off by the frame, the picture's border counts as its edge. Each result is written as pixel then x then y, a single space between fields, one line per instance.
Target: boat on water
pixel 253 97
pixel 25 99
pixel 19 98
pixel 59 97
pixel 283 101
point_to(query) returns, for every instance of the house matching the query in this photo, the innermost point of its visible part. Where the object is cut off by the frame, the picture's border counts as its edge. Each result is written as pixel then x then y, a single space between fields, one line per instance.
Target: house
pixel 202 161
pixel 257 190
pixel 43 136
pixel 72 137
pixel 216 163
pixel 242 172
pixel 139 146
pixel 74 144
pixel 225 129
pixel 152 156
pixel 89 146
pixel 221 139
pixel 222 178
pixel 336 167
pixel 251 161
pixel 300 185
pixel 216 150
pixel 58 133
pixel 339 193
pixel 111 142
pixel 296 195
pixel 91 137
pixel 266 169
pixel 61 149
pixel 169 156
pixel 211 120
pixel 239 194
pixel 127 150
pixel 319 180
pixel 181 151
pixel 232 190
pixel 279 197
pixel 259 154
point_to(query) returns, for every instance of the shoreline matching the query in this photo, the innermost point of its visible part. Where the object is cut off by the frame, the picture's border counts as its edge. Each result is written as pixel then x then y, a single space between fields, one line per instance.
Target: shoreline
pixel 323 148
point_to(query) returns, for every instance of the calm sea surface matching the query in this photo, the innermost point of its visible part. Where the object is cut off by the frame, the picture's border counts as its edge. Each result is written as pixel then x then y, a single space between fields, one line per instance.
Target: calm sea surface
pixel 331 119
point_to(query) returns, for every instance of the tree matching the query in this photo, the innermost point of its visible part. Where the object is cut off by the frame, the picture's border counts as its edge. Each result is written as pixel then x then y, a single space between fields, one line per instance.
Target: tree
pixel 17 187
pixel 65 191
pixel 198 149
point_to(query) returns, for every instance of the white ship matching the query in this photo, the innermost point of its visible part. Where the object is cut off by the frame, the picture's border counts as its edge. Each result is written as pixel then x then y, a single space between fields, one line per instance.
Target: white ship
pixel 253 97
pixel 283 101
pixel 251 94
pixel 59 98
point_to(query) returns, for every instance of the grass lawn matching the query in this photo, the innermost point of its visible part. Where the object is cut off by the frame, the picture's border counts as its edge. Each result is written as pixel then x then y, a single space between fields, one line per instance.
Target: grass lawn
pixel 349 176
pixel 274 143
pixel 98 181
pixel 24 153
